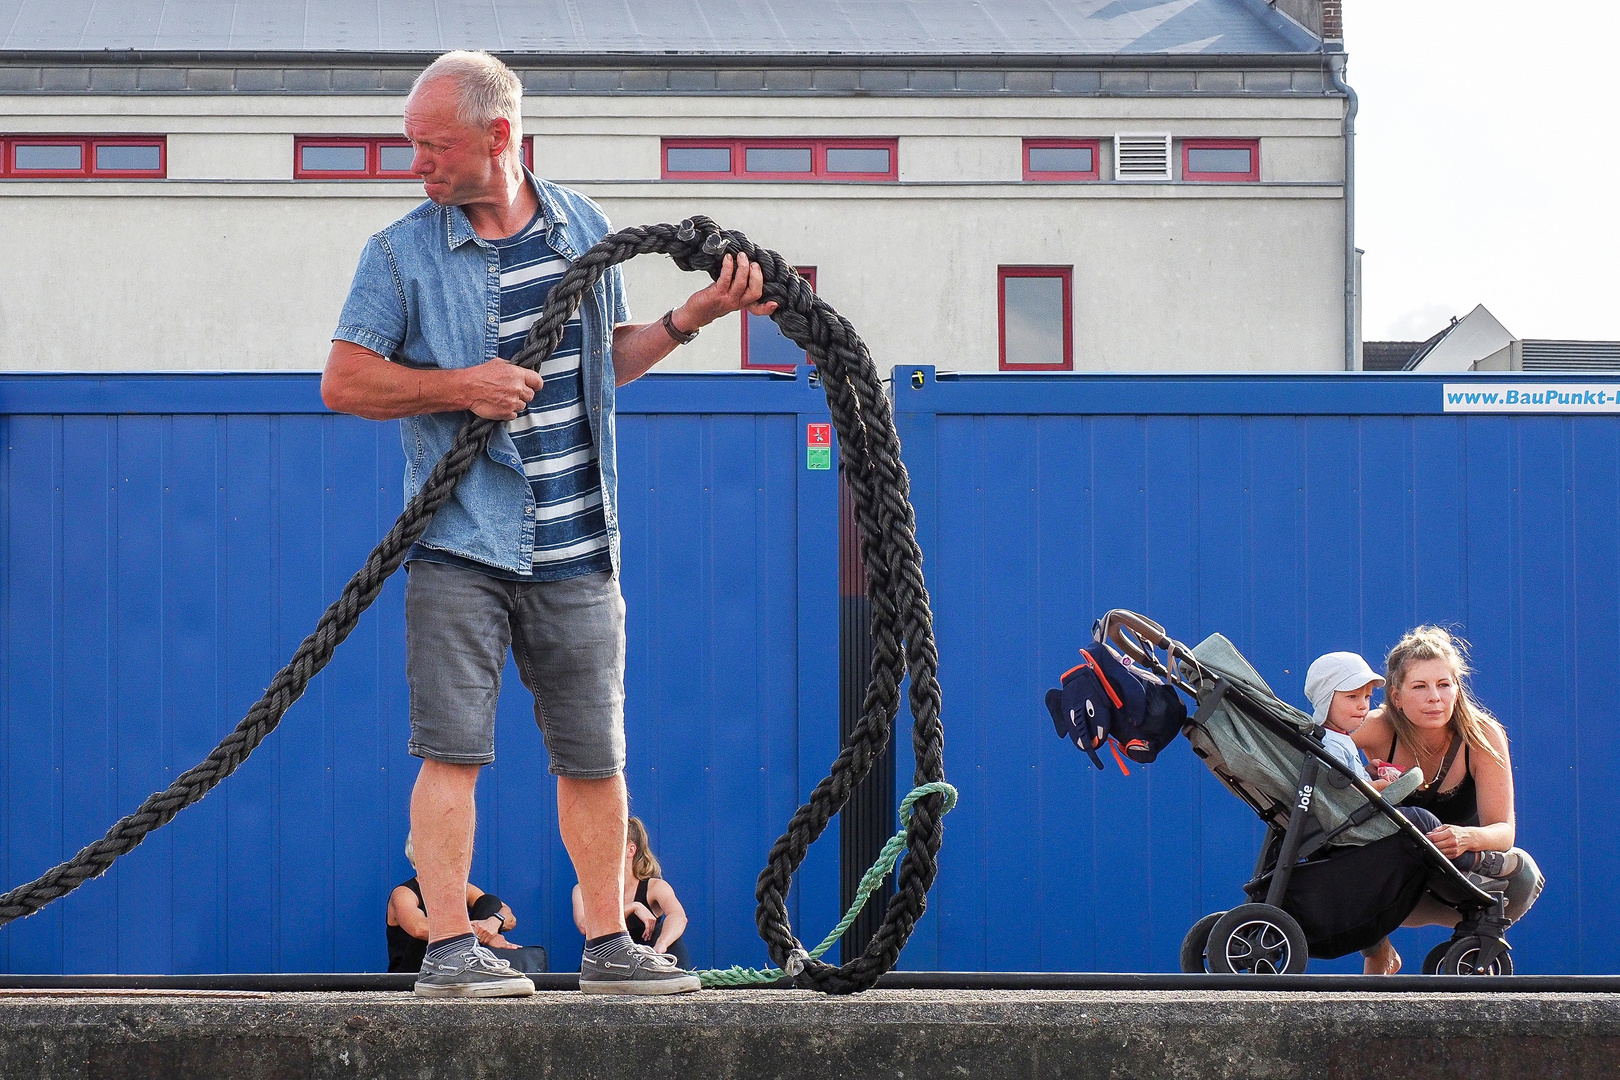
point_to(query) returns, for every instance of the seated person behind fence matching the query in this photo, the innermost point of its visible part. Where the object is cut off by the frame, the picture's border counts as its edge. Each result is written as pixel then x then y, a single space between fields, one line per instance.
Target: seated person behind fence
pixel 408 924
pixel 1430 719
pixel 652 913
pixel 1340 686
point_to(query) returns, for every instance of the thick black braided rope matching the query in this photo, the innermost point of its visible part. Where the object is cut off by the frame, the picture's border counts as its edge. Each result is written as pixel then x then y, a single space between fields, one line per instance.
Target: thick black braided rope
pixel 902 625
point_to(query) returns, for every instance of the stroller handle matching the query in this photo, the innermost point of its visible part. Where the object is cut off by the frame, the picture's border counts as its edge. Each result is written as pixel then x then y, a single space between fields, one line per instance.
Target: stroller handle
pixel 1138 636
pixel 1144 634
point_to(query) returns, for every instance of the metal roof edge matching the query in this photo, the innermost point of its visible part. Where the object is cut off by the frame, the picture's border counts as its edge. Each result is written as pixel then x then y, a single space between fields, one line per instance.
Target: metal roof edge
pixel 130 57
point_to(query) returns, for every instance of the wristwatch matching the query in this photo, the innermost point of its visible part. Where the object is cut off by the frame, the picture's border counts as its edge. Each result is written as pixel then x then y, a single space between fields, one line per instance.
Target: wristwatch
pixel 669 328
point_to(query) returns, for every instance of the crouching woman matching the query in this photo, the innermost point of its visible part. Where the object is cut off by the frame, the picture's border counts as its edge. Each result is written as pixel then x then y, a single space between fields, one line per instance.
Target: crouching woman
pixel 1430 720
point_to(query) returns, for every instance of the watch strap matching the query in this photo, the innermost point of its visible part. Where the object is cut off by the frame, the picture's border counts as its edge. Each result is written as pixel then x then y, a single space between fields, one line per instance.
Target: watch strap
pixel 669 327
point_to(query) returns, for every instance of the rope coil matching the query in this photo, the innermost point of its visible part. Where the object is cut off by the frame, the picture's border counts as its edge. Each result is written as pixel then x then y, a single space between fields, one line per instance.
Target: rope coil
pixel 902 624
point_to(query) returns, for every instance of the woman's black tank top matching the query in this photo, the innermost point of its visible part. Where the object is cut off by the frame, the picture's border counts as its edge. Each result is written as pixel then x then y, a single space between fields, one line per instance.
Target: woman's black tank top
pixel 677 948
pixel 406 953
pixel 632 923
pixel 1459 806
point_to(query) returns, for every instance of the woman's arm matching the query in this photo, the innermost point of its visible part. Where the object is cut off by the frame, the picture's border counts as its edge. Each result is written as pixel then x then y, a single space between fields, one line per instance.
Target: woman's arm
pixel 508 920
pixel 664 900
pixel 406 913
pixel 1494 787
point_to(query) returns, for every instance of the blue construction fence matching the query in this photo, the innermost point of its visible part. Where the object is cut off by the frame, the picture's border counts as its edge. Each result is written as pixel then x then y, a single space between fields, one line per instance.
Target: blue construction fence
pixel 169 539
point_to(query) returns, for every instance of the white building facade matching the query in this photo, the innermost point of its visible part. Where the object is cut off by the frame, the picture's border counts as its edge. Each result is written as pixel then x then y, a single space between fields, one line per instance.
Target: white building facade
pixel 1137 190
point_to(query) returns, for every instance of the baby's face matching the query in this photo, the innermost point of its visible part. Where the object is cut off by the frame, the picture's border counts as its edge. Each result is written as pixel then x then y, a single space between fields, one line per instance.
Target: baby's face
pixel 1350 708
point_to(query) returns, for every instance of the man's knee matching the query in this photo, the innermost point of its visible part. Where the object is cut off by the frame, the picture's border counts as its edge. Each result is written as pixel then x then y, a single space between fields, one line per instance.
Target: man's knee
pixel 447 774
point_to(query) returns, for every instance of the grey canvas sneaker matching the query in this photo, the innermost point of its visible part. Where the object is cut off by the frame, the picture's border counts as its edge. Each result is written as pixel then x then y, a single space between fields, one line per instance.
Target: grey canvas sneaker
pixel 471 971
pixel 637 971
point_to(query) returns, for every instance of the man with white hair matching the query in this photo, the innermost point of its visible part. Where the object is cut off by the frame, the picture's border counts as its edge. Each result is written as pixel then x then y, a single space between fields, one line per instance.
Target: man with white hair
pixel 525 556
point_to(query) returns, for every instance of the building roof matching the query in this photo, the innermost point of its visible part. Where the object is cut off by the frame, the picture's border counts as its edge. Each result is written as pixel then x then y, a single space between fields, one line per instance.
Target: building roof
pixel 943 28
pixel 1387 355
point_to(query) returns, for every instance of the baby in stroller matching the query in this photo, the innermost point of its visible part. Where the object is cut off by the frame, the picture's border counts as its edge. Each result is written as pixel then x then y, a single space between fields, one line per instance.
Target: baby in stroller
pixel 1340 686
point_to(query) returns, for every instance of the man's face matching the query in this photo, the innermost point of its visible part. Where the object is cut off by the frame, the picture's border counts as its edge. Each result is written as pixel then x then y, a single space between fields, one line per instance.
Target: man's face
pixel 458 164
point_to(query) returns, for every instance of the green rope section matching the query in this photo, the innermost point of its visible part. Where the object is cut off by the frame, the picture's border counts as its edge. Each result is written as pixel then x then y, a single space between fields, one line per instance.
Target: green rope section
pixel 741 976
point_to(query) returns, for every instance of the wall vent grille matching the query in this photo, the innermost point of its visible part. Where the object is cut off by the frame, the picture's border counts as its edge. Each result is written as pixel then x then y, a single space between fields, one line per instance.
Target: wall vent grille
pixel 1142 157
pixel 1571 355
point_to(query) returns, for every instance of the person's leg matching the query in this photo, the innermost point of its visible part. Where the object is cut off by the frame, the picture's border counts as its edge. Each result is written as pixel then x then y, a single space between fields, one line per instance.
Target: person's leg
pixel 592 815
pixel 1381 959
pixel 1524 885
pixel 677 949
pixel 442 822
pixel 1425 822
pixel 568 637
pixel 455 646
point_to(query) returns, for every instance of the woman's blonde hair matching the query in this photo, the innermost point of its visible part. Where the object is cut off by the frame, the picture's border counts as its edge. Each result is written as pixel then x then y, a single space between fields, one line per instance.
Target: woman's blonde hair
pixel 645 864
pixel 1469 718
pixel 410 851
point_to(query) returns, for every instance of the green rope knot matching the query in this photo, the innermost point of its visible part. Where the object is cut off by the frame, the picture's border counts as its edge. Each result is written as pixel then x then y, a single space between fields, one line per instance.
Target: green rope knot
pixel 741 976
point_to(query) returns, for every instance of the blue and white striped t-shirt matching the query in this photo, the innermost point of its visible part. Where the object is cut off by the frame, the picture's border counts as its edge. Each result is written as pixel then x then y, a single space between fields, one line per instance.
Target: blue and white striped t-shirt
pixel 553 434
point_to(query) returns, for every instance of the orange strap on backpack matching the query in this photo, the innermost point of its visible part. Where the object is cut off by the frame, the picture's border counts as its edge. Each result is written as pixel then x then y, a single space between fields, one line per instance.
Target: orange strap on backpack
pixel 1112 696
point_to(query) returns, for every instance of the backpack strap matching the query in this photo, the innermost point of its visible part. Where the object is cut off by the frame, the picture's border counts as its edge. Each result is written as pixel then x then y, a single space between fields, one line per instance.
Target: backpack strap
pixel 1108 687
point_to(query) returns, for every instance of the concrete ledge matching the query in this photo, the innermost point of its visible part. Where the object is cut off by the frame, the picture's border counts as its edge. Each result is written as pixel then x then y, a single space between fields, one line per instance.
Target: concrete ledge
pixel 755 1035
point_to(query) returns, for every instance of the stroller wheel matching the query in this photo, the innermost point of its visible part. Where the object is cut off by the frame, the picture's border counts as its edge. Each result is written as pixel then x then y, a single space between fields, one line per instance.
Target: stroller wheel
pixel 1431 963
pixel 1256 939
pixel 1462 958
pixel 1193 957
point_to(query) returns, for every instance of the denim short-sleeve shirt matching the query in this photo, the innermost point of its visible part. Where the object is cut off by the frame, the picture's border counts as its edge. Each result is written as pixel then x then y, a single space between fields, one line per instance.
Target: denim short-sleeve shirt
pixel 427 295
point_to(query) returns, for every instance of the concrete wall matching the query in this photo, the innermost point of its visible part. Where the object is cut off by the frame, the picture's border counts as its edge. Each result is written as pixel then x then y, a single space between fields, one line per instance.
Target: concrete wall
pixel 230 264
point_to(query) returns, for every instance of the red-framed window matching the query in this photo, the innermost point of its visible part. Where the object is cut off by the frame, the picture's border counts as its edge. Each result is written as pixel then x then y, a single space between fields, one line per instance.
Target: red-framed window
pixel 362 157
pixel 816 160
pixel 1062 159
pixel 1232 160
pixel 764 346
pixel 75 157
pixel 1035 317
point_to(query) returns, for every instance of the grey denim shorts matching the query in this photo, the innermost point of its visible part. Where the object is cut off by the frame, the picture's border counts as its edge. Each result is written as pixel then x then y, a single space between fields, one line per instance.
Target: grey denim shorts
pixel 567 638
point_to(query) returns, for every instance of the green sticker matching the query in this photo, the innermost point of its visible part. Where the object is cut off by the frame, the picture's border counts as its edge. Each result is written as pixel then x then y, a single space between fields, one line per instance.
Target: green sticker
pixel 818 457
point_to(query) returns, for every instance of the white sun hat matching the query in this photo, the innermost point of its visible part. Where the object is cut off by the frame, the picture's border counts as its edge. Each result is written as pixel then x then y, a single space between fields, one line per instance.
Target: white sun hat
pixel 1334 672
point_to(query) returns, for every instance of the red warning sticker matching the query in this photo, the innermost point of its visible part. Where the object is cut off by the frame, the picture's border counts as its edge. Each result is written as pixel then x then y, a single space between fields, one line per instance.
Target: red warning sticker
pixel 818 435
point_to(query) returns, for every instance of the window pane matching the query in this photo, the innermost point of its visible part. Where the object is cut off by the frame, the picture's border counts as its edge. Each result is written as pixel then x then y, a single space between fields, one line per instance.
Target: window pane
pixel 54 158
pixel 128 159
pixel 1232 159
pixel 334 159
pixel 768 345
pixel 711 159
pixel 1034 319
pixel 778 159
pixel 395 158
pixel 1061 159
pixel 849 159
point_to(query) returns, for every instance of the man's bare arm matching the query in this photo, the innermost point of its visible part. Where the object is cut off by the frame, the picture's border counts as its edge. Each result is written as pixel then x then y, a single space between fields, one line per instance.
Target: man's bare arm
pixel 360 382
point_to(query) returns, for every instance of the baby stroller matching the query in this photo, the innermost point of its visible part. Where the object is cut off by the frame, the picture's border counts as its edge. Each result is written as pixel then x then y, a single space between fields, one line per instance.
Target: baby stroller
pixel 1339 868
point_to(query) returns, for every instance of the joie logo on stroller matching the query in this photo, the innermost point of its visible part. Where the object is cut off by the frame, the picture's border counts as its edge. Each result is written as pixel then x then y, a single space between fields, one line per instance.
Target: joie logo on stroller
pixel 1106 698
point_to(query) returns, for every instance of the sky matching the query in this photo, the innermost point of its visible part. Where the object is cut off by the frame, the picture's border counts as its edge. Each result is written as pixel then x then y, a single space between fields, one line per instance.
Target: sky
pixel 1487 164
